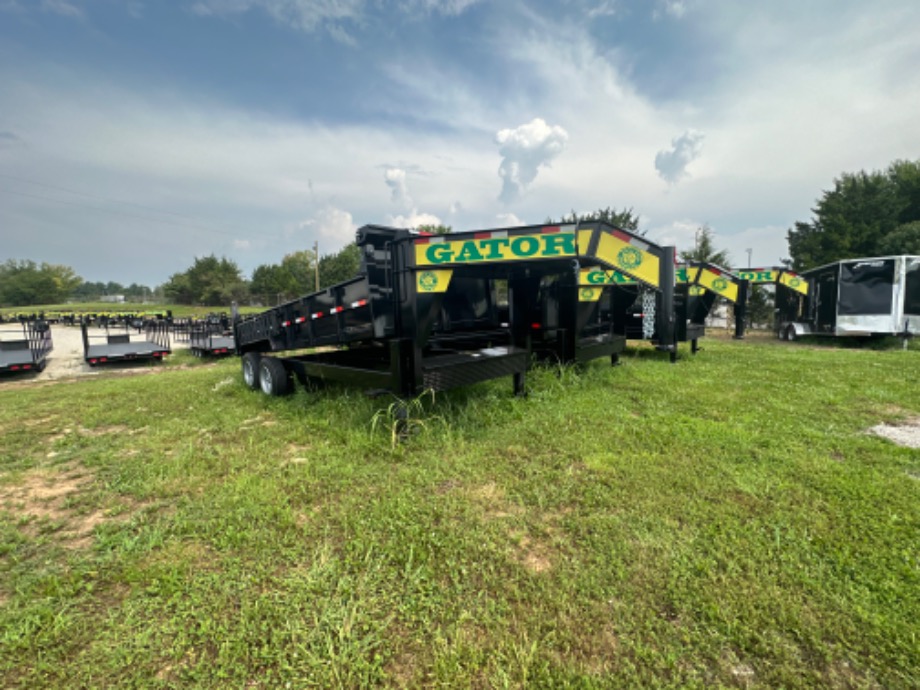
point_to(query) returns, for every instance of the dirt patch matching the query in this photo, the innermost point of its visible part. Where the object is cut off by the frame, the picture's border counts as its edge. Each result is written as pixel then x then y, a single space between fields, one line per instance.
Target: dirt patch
pixel 491 498
pixel 533 555
pixel 906 433
pixel 42 501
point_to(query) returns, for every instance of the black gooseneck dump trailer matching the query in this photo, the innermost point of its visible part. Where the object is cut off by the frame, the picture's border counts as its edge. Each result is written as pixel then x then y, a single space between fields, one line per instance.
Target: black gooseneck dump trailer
pixel 119 343
pixel 634 309
pixel 426 313
pixel 24 346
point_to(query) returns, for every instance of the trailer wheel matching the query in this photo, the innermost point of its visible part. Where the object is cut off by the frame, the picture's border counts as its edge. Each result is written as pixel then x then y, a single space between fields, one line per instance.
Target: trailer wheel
pixel 251 369
pixel 273 377
pixel 791 335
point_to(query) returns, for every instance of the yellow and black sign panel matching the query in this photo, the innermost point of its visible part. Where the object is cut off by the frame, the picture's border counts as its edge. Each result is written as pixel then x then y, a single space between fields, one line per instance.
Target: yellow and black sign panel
pixel 630 256
pixel 590 293
pixel 436 280
pixel 797 283
pixel 718 283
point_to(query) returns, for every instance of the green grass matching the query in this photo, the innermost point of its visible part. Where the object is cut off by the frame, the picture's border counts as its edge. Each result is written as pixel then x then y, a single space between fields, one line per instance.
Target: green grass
pixel 720 522
pixel 178 310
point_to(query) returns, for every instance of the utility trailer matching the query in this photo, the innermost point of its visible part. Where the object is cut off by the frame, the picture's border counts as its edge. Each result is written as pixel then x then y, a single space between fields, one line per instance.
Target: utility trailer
pixel 120 343
pixel 634 310
pixel 206 340
pixel 869 297
pixel 24 346
pixel 424 313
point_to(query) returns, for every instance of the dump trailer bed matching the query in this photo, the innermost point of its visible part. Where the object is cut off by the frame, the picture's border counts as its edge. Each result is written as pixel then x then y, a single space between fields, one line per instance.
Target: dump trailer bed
pixel 24 346
pixel 425 314
pixel 123 343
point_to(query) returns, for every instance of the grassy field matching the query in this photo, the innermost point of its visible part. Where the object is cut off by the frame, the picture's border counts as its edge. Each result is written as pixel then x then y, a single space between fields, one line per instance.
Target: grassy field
pixel 178 310
pixel 725 521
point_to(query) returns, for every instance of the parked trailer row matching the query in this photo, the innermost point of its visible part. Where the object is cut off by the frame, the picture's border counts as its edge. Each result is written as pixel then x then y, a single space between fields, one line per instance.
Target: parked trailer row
pixel 439 311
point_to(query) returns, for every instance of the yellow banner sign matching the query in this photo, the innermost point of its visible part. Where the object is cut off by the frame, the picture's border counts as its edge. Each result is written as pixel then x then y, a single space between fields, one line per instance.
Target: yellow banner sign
pixel 498 247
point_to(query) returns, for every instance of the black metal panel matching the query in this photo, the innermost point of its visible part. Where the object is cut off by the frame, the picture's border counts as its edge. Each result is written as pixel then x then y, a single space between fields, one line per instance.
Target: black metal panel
pixel 912 287
pixel 866 287
pixel 450 371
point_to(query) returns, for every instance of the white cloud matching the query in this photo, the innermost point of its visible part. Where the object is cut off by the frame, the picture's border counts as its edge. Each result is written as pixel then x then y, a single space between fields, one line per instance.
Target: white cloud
pixel 61 7
pixel 455 208
pixel 414 219
pixel 605 8
pixel 675 9
pixel 524 150
pixel 242 245
pixel 306 15
pixel 508 220
pixel 333 224
pixel 445 7
pixel 395 179
pixel 672 165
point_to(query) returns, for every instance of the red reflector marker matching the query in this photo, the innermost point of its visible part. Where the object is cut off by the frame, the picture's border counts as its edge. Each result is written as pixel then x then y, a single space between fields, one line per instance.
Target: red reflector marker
pixel 535 326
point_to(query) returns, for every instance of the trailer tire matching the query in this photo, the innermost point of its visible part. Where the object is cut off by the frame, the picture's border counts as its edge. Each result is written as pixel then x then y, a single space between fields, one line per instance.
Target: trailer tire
pixel 251 370
pixel 791 335
pixel 273 377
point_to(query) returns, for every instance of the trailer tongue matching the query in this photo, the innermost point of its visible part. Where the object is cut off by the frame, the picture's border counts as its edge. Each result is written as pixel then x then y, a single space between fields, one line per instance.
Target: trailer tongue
pixel 425 312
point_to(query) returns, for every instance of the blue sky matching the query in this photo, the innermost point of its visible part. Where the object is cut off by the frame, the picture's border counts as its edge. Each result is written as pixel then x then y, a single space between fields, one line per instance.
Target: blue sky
pixel 136 135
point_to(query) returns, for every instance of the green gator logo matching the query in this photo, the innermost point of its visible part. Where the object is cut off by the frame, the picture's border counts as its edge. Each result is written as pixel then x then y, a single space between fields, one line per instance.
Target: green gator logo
pixel 428 281
pixel 587 294
pixel 795 282
pixel 720 284
pixel 629 257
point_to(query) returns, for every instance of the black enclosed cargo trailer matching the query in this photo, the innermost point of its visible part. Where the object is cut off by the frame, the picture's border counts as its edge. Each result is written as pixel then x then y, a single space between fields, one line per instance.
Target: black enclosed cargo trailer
pixel 867 297
pixel 24 346
pixel 426 312
pixel 123 343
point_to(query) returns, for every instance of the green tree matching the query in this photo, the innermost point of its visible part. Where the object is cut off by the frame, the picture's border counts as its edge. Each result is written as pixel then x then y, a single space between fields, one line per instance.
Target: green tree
pixel 624 218
pixel 270 283
pixel 904 239
pixel 301 267
pixel 341 266
pixel 855 218
pixel 210 281
pixel 25 283
pixel 704 249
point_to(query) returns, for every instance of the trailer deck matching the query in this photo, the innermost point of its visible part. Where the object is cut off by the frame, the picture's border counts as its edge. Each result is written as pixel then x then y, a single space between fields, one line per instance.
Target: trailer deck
pixel 24 346
pixel 123 343
pixel 204 342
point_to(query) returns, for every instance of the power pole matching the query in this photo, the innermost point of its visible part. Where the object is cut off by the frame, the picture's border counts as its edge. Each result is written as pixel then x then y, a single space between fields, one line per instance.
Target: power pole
pixel 316 262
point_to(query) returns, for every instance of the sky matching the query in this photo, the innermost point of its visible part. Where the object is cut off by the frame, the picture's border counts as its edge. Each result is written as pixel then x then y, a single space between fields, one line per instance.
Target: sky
pixel 138 135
